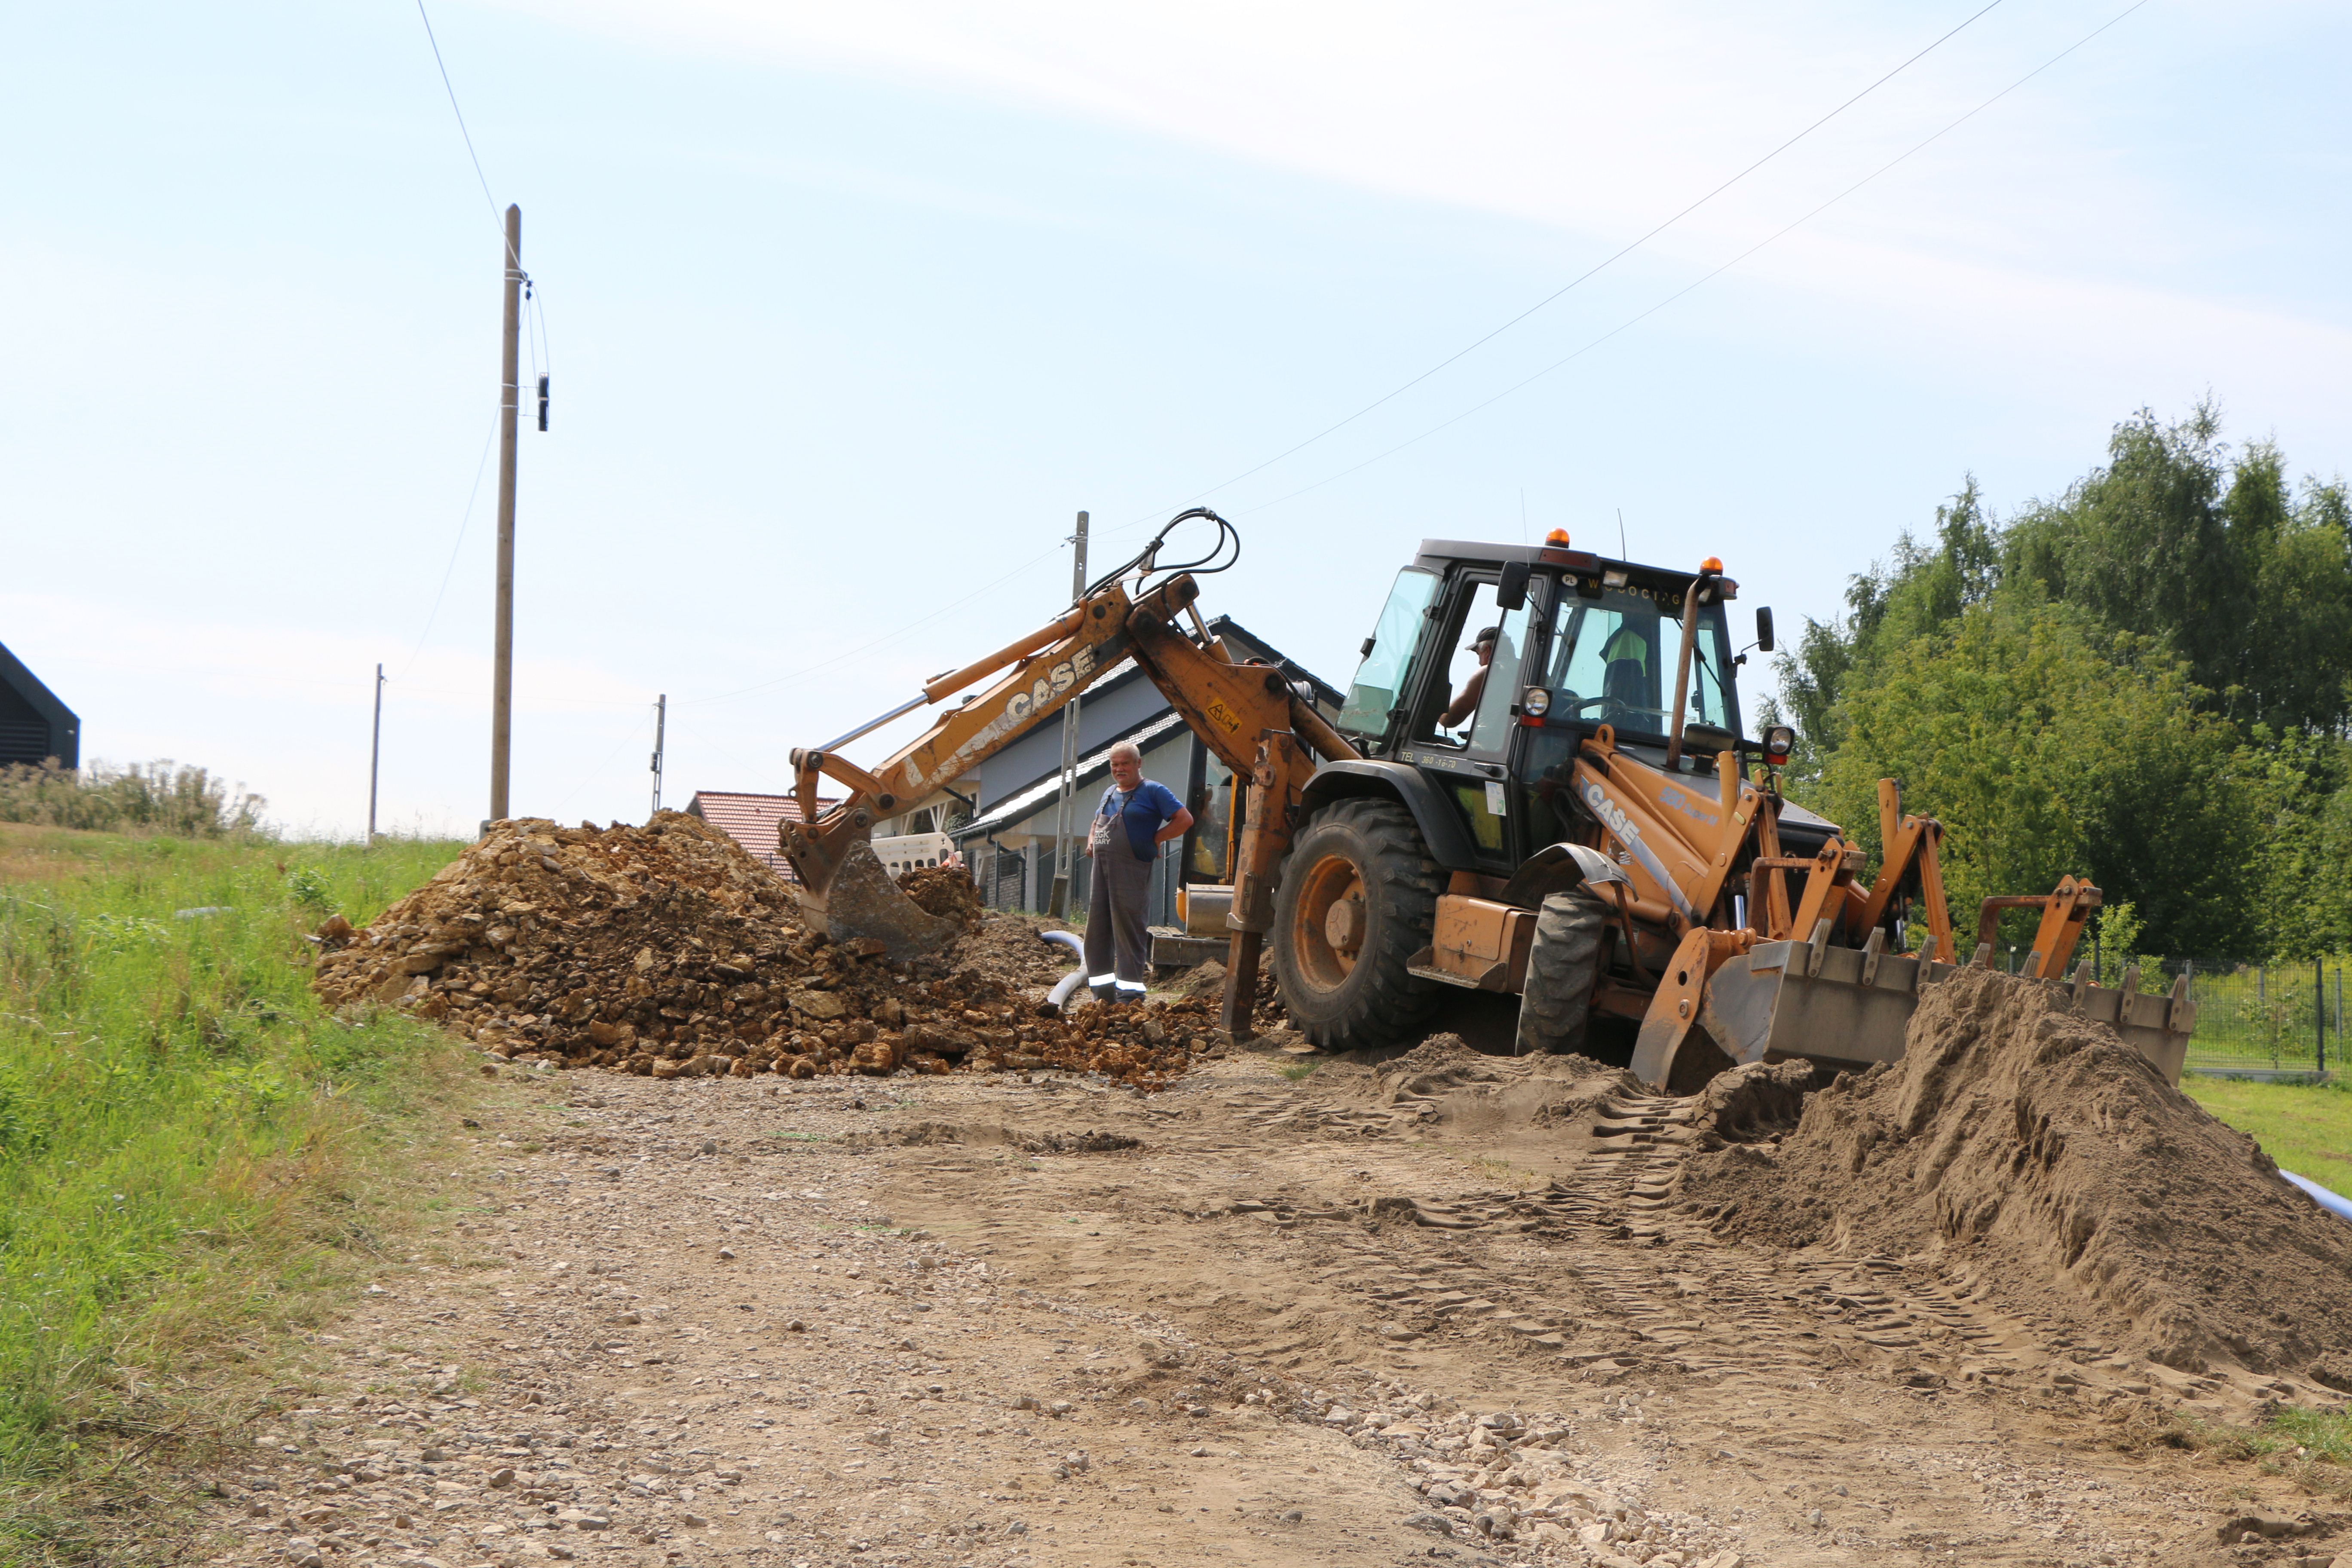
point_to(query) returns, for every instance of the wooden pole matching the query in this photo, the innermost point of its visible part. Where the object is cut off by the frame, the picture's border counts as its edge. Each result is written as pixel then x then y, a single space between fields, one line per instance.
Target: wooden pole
pixel 510 408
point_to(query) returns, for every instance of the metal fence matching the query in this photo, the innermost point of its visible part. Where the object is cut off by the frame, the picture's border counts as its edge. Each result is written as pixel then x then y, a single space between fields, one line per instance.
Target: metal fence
pixel 2285 1017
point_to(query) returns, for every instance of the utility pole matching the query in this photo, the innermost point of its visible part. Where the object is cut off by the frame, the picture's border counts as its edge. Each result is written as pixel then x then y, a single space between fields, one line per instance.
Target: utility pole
pixel 1057 906
pixel 376 752
pixel 661 724
pixel 510 408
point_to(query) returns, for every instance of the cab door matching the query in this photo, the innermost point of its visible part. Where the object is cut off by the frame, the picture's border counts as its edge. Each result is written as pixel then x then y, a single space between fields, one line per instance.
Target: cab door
pixel 1466 726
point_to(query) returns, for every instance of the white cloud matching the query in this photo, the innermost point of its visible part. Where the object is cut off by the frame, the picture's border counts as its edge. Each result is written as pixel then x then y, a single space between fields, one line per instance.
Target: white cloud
pixel 2040 231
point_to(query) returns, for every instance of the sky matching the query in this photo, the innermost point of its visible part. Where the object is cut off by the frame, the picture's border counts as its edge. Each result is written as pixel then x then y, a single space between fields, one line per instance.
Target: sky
pixel 849 310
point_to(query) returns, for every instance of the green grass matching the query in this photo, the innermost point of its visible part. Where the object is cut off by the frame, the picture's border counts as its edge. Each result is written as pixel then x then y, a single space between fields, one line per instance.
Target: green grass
pixel 2310 1447
pixel 2306 1128
pixel 186 1140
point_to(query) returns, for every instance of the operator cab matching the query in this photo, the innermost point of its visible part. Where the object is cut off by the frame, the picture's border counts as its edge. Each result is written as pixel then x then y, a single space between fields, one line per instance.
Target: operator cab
pixel 1491 663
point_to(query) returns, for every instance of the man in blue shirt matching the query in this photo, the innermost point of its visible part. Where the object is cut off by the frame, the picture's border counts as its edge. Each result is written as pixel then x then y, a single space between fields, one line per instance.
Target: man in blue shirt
pixel 1135 818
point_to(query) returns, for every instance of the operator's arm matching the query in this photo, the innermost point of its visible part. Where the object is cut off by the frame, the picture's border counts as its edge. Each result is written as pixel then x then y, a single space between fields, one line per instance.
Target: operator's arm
pixel 1467 703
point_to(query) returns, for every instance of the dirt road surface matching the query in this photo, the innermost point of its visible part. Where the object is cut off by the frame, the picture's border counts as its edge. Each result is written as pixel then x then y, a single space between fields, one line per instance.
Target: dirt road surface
pixel 1441 1313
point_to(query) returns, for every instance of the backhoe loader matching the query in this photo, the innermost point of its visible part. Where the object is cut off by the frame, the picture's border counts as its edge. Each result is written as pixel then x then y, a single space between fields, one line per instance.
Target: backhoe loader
pixel 1539 786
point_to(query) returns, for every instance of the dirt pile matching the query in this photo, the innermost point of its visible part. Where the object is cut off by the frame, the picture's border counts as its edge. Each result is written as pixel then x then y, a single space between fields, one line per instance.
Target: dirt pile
pixel 2023 1144
pixel 668 951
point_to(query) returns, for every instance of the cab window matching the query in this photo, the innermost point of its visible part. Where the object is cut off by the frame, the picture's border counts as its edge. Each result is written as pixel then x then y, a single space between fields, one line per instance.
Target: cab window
pixel 1380 684
pixel 1613 661
pixel 1606 658
pixel 1472 708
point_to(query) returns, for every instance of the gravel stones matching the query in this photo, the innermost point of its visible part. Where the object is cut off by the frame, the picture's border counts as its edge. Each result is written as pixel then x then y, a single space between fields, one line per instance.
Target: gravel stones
pixel 667 951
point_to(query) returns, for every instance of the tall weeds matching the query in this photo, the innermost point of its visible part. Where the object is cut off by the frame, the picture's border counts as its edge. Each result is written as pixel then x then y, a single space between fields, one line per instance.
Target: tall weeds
pixel 157 798
pixel 180 1128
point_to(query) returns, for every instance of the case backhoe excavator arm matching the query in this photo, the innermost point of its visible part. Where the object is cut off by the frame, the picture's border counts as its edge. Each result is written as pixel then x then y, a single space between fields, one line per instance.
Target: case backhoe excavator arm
pixel 1246 714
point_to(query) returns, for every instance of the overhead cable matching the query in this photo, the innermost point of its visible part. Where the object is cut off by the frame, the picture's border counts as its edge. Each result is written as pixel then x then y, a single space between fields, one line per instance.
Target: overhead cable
pixel 1599 267
pixel 1725 267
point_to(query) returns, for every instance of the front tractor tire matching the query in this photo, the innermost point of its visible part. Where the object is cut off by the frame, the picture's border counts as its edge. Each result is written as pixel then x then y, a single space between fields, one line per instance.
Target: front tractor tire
pixel 1356 900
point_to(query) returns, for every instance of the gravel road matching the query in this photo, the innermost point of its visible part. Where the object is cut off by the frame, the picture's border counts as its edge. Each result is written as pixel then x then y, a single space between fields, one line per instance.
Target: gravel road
pixel 1034 1320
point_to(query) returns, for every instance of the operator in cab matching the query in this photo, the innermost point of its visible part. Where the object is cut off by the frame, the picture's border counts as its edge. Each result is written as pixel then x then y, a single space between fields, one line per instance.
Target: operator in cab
pixel 1135 818
pixel 1465 702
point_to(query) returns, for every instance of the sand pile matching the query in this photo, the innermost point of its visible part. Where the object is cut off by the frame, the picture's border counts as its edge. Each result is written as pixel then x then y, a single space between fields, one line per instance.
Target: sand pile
pixel 2022 1144
pixel 668 951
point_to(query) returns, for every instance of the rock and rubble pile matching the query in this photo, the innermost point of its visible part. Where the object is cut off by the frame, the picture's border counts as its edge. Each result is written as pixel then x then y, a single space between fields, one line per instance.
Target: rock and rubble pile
pixel 947 891
pixel 2026 1146
pixel 666 950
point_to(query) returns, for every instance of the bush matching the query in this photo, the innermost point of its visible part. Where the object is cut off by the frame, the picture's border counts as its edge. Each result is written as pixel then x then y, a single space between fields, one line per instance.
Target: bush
pixel 160 797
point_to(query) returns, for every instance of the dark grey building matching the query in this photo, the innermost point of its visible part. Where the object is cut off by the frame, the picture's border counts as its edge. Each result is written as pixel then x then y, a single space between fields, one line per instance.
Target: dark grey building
pixel 34 725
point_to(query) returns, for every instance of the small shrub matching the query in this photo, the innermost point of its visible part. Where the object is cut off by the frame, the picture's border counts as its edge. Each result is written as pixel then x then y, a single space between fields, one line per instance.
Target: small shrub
pixel 310 890
pixel 158 798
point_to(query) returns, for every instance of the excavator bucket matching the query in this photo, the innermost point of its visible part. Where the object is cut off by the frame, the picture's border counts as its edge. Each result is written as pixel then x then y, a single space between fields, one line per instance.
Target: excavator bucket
pixel 864 901
pixel 1843 1007
pixel 844 888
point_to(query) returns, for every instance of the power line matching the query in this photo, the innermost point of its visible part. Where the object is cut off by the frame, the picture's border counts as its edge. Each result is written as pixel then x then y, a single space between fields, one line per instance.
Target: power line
pixel 463 524
pixel 584 780
pixel 1719 272
pixel 877 642
pixel 1591 271
pixel 450 87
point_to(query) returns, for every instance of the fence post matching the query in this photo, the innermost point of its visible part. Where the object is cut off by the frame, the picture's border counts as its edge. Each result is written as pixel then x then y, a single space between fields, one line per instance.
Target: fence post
pixel 2319 1010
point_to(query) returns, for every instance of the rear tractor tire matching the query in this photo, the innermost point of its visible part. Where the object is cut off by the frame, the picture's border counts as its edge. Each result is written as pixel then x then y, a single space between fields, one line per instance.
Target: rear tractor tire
pixel 1356 900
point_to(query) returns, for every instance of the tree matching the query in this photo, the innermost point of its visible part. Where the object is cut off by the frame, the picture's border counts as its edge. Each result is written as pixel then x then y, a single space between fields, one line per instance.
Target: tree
pixel 2148 680
pixel 2173 540
pixel 2049 745
pixel 2302 876
pixel 1914 592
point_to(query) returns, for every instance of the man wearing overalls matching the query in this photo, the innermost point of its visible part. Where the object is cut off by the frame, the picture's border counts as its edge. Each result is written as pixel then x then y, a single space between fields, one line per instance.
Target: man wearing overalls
pixel 1135 818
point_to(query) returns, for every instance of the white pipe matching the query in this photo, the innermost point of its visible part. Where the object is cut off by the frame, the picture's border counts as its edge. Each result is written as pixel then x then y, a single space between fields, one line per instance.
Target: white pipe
pixel 1055 999
pixel 2341 1207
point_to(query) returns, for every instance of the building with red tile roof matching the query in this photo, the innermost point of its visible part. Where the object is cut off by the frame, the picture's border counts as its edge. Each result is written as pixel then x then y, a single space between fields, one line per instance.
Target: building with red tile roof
pixel 751 820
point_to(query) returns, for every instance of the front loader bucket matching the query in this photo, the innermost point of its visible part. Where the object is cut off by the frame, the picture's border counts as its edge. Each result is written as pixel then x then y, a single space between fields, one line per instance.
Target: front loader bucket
pixel 861 900
pixel 1849 1007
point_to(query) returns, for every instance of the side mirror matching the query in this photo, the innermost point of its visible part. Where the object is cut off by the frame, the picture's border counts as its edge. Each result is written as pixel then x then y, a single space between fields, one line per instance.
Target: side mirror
pixel 1511 592
pixel 1764 627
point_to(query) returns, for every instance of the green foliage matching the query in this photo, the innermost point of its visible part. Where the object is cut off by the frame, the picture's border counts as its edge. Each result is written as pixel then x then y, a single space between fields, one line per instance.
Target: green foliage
pixel 2147 682
pixel 175 1110
pixel 2117 933
pixel 160 797
pixel 2049 745
pixel 2302 874
pixel 2174 540
pixel 309 889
